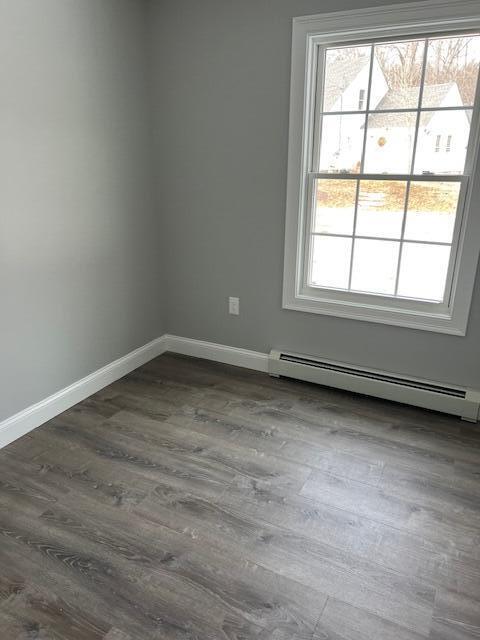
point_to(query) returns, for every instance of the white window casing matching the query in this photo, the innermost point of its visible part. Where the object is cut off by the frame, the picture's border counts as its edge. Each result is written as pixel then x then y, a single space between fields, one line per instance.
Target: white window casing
pixel 310 34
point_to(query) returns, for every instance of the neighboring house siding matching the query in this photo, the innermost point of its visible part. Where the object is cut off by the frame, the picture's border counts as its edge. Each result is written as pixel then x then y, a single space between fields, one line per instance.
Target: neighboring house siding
pixel 389 147
pixel 390 137
pixel 343 135
pixel 449 158
pixel 348 100
pixel 453 127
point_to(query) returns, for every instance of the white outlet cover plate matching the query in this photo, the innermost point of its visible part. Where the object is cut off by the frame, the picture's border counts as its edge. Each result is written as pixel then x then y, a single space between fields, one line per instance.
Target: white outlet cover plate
pixel 234 306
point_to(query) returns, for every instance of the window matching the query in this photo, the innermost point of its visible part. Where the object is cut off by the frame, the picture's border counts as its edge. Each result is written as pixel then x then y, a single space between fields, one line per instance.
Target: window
pixel 380 231
pixel 361 99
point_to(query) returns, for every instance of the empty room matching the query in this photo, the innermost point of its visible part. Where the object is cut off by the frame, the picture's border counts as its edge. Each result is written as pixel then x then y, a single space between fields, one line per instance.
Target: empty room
pixel 240 320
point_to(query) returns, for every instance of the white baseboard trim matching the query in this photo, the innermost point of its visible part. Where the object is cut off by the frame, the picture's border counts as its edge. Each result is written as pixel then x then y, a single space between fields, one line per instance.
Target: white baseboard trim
pixel 34 416
pixel 217 352
pixel 37 414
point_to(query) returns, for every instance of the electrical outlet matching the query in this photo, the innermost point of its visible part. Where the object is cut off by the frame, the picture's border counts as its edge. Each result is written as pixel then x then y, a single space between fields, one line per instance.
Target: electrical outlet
pixel 234 306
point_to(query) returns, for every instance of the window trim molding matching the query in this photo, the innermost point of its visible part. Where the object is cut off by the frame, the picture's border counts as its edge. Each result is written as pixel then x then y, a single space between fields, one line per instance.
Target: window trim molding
pixel 429 16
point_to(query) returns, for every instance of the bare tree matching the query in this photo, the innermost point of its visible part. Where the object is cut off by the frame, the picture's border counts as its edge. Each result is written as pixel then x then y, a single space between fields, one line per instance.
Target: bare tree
pixel 449 60
pixel 401 63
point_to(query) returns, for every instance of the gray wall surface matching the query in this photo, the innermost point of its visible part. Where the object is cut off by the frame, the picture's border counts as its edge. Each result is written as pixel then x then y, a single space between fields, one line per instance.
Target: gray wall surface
pixel 105 246
pixel 222 99
pixel 79 267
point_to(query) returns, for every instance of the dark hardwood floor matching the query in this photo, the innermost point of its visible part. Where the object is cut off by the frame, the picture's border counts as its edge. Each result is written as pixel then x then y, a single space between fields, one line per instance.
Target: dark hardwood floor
pixel 192 500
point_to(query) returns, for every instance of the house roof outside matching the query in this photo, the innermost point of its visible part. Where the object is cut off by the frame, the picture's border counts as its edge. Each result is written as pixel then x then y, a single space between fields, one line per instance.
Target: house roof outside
pixel 340 74
pixel 433 96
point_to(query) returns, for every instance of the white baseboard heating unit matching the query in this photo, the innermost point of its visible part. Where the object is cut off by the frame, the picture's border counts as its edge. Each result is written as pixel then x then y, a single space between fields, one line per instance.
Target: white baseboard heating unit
pixel 421 393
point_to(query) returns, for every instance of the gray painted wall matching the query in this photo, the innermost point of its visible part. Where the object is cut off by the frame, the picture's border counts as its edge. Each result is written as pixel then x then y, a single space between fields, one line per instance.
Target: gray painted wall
pixel 90 266
pixel 223 73
pixel 79 268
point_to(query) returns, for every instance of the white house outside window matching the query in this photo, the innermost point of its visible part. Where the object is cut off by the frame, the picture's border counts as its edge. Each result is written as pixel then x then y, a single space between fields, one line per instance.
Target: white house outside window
pixel 383 189
pixel 361 99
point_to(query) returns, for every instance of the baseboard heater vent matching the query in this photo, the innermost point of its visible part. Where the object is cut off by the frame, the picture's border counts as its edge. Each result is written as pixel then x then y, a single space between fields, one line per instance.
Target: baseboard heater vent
pixel 422 393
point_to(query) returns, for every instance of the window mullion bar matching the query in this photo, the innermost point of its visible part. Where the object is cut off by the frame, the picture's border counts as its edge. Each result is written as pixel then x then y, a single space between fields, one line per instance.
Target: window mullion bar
pixel 350 273
pixel 420 99
pixel 422 177
pixel 402 236
pixel 360 112
pixel 380 238
pixel 412 165
pixel 362 162
pixel 369 93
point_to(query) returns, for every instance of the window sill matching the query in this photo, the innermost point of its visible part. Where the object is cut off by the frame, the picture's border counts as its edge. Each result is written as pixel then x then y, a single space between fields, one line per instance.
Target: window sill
pixel 436 322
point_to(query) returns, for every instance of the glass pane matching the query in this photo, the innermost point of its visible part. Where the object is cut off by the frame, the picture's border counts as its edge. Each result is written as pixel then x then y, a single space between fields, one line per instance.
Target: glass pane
pixel 443 141
pixel 423 271
pixel 432 208
pixel 335 206
pixel 346 78
pixel 452 71
pixel 390 138
pixel 341 143
pixel 330 262
pixel 381 205
pixel 375 266
pixel 396 75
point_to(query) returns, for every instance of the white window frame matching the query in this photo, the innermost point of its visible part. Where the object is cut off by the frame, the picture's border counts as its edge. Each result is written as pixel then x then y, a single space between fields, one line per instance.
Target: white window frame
pixel 310 32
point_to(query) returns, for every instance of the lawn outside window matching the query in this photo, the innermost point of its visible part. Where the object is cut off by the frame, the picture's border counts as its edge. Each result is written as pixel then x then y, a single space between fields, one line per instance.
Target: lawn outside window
pixel 383 139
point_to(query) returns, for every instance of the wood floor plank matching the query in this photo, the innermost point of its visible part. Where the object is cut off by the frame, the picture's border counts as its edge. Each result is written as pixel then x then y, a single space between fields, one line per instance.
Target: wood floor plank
pixel 261 515
pixel 246 463
pixel 155 464
pixel 226 581
pixel 57 472
pixel 148 605
pixel 374 446
pixel 40 613
pixel 247 434
pixel 64 581
pixel 196 501
pixel 117 634
pixel 437 525
pixel 331 571
pixel 456 617
pixel 142 399
pixel 467 476
pixel 440 494
pixel 341 621
pixel 433 431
